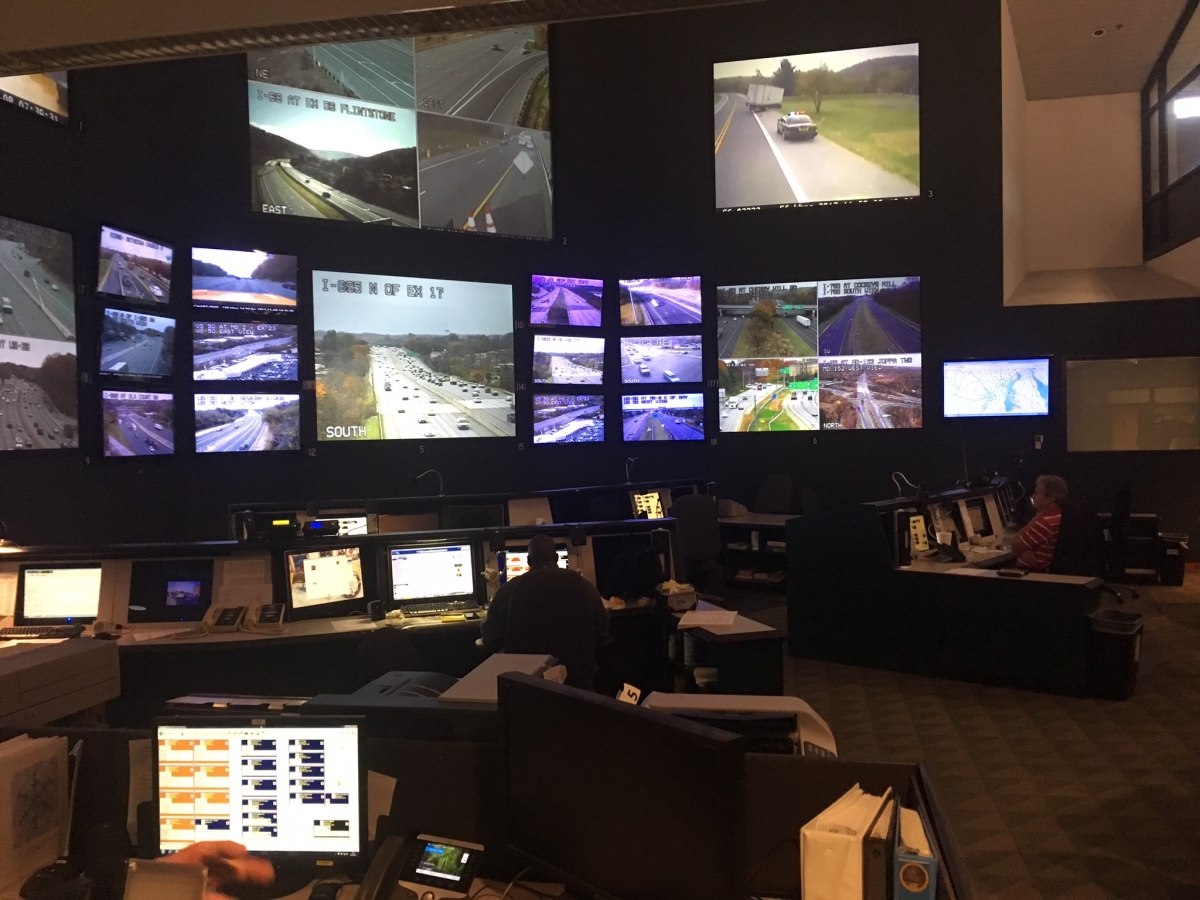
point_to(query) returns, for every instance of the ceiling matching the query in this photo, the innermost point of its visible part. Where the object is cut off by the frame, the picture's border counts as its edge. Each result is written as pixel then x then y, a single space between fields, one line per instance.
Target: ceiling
pixel 1060 58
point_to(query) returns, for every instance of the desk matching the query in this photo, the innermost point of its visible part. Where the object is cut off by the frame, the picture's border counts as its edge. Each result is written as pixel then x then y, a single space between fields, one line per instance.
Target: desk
pixel 754 546
pixel 747 655
pixel 41 682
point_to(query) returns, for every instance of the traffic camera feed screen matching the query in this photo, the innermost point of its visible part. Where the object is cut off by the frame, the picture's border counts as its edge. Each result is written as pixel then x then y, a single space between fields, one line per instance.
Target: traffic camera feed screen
pixel 243 351
pixel 137 423
pixel 566 301
pixel 559 359
pixel 568 418
pixel 662 417
pixel 661 301
pixel 817 127
pixel 246 423
pixel 448 131
pixel 38 371
pixel 135 343
pixel 996 387
pixel 43 93
pixel 831 355
pixel 412 358
pixel 133 268
pixel 243 279
pixel 650 360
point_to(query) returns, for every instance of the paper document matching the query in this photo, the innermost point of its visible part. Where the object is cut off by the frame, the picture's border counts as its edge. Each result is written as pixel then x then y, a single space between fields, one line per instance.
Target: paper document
pixel 379 799
pixel 696 618
pixel 8 593
pixel 912 832
pixel 353 624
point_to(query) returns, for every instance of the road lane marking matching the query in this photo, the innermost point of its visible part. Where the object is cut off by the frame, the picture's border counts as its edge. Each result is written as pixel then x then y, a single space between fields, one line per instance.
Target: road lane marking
pixel 801 197
pixel 495 187
pixel 724 131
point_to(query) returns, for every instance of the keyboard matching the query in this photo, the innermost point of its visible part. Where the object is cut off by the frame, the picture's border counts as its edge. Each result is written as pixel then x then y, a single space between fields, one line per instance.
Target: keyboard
pixel 437 607
pixel 39 632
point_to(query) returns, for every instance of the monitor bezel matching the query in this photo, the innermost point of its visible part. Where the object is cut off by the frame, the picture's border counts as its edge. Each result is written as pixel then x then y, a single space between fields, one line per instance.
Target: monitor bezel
pixel 121 298
pixel 350 864
pixel 336 609
pixel 19 617
pixel 1050 379
pixel 390 601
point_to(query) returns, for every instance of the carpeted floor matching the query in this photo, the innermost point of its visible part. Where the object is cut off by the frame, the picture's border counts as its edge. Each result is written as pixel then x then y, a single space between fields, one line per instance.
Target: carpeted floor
pixel 1048 797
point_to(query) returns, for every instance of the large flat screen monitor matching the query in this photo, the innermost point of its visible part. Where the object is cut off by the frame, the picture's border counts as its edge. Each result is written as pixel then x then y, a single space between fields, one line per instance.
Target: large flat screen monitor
pixel 647 780
pixel 133 268
pixel 817 127
pixel 661 301
pixel 42 93
pixel 176 590
pixel 996 387
pixel 441 131
pixel 412 358
pixel 431 572
pixel 565 359
pixel 137 423
pixel 244 351
pixel 38 371
pixel 568 418
pixel 557 300
pixel 324 582
pixel 1149 403
pixel 243 279
pixel 234 423
pixel 135 343
pixel 662 417
pixel 62 594
pixel 292 789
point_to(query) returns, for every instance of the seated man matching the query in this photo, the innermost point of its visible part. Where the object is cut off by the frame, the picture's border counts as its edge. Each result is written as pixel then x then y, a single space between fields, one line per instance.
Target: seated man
pixel 549 610
pixel 1034 545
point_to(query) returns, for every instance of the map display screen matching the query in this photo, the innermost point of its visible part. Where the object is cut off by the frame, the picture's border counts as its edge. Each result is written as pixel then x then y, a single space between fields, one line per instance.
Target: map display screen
pixel 998 387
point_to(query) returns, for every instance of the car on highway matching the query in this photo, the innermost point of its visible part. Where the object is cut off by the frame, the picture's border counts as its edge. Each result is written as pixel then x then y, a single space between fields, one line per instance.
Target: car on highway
pixel 430 434
pixel 462 424
pixel 387 385
pixel 422 420
pixel 478 400
pixel 798 125
pixel 156 290
pixel 643 370
pixel 670 376
pixel 512 417
pixel 6 306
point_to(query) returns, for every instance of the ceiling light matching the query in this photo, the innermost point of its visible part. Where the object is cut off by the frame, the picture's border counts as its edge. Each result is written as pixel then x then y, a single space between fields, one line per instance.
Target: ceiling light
pixel 1186 107
pixel 1100 32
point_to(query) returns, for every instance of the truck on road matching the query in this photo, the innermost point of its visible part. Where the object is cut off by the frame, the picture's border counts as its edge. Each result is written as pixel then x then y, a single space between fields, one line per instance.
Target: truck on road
pixel 764 96
pixel 804 320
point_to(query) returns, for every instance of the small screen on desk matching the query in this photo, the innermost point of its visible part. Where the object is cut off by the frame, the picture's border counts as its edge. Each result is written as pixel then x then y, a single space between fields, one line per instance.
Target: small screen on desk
pixel 444 861
pixel 424 573
pixel 324 576
pixel 651 504
pixel 512 563
pixel 70 593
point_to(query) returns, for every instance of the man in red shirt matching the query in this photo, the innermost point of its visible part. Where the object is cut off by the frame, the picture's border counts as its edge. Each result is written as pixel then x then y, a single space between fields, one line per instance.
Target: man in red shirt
pixel 1034 545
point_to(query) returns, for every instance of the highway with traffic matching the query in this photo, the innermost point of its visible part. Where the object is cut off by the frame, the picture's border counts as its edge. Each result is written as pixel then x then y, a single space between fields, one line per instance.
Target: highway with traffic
pixel 138 354
pixel 578 425
pixel 42 307
pixel 731 325
pixel 650 304
pixel 238 362
pixel 563 371
pixel 485 77
pixel 412 404
pixel 125 278
pixel 29 421
pixel 375 71
pixel 866 328
pixel 871 404
pixel 646 363
pixel 249 432
pixel 662 425
pixel 558 305
pixel 138 435
pixel 755 166
pixel 771 407
pixel 282 184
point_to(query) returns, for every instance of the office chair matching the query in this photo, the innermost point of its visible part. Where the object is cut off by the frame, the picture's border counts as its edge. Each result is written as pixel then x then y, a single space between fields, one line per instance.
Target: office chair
pixel 387 650
pixel 699 537
pixel 774 495
pixel 1080 549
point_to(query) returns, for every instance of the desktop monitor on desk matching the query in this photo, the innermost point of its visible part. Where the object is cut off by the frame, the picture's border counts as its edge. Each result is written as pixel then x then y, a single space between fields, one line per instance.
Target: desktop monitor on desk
pixel 654 504
pixel 324 583
pixel 175 590
pixel 58 594
pixel 619 801
pixel 432 575
pixel 512 563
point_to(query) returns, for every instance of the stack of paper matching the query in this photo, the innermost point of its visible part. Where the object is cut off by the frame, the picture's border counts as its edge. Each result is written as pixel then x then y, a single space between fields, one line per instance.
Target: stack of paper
pixel 33 804
pixel 831 846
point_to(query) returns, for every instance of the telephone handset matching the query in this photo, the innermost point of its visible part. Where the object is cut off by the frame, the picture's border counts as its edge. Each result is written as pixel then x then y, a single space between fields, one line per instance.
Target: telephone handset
pixel 382 881
pixel 218 620
pixel 263 618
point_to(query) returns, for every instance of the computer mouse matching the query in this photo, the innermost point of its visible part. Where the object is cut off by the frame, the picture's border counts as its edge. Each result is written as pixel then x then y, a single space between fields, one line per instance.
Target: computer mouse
pixel 58 881
pixel 106 636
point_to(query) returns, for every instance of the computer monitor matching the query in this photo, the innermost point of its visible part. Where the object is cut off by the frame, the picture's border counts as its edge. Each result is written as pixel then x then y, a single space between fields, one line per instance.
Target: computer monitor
pixel 592 784
pixel 431 572
pixel 996 387
pixel 58 594
pixel 649 504
pixel 975 517
pixel 512 563
pixel 324 583
pixel 175 590
pixel 290 788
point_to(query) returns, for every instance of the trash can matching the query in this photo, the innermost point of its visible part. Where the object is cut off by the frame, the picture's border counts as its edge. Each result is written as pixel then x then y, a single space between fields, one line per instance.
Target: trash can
pixel 1114 649
pixel 1174 553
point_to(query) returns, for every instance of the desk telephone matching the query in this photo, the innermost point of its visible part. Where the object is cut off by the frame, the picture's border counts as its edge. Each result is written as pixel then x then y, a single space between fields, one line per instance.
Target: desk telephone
pixel 429 868
pixel 260 618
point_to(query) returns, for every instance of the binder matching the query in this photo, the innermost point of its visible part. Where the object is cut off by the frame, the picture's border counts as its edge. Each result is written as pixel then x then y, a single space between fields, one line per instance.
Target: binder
pixel 878 852
pixel 915 865
pixel 831 847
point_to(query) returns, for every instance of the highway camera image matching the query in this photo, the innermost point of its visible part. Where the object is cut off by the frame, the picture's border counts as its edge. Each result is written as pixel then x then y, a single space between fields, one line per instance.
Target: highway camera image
pixel 405 358
pixel 568 419
pixel 43 93
pixel 38 370
pixel 134 343
pixel 565 301
pixel 870 392
pixel 240 351
pixel 567 360
pixel 817 127
pixel 769 394
pixel 335 132
pixel 760 320
pixel 661 359
pixel 243 279
pixel 134 268
pixel 138 424
pixel 870 317
pixel 247 423
pixel 661 301
pixel 662 417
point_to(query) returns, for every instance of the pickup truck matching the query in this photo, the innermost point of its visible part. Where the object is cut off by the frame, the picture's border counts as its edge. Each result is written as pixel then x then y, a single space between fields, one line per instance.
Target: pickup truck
pixel 796 125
